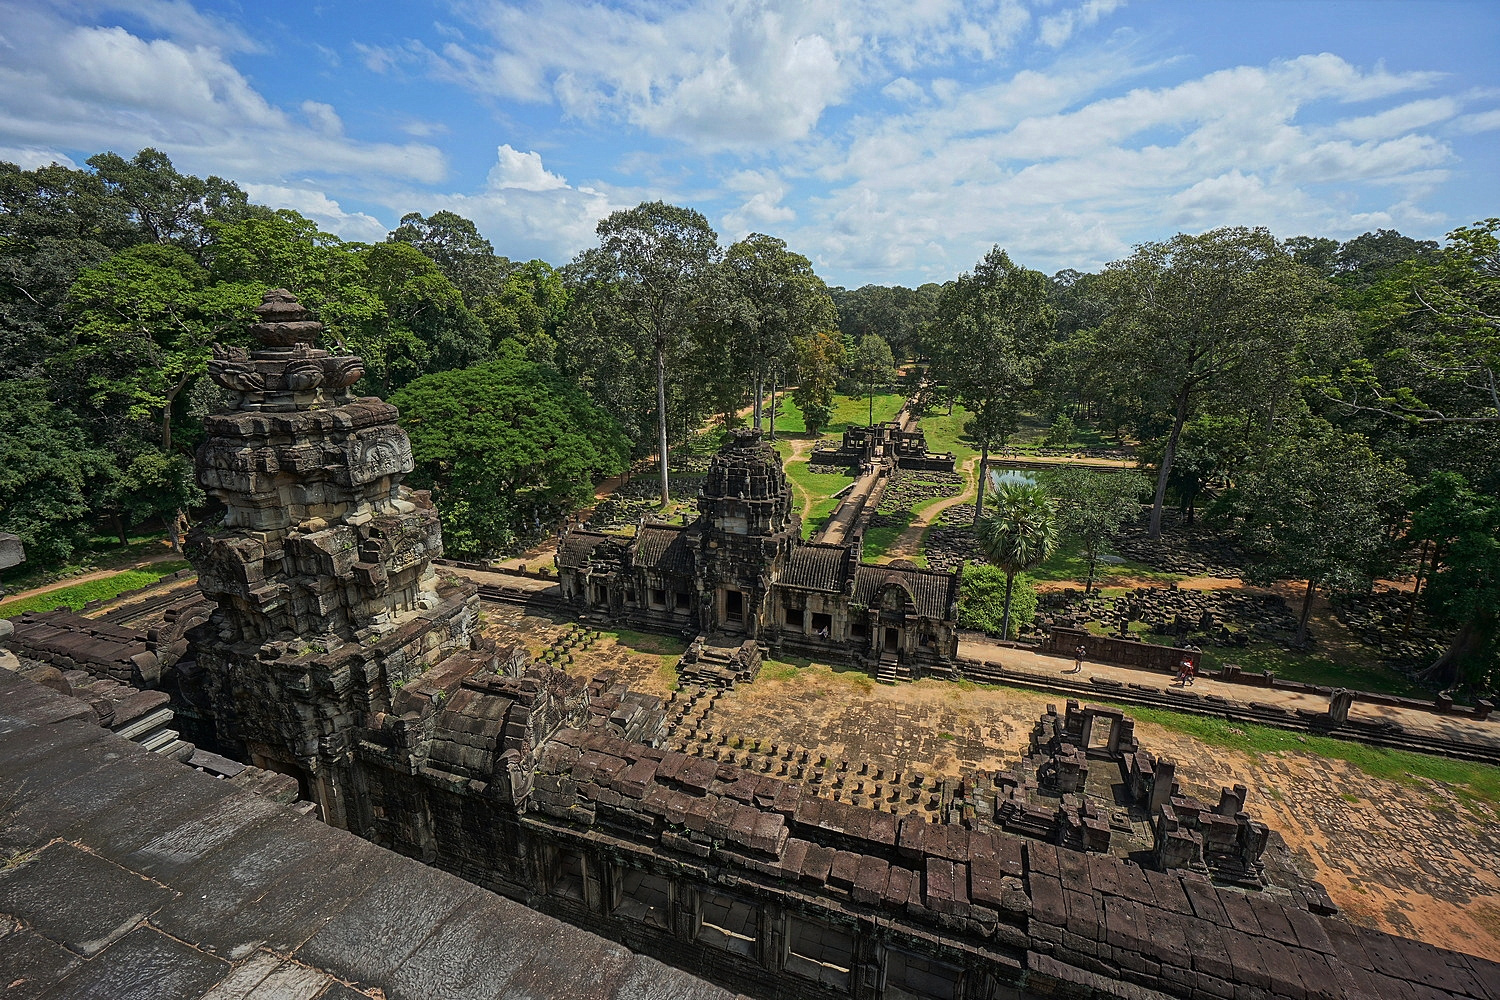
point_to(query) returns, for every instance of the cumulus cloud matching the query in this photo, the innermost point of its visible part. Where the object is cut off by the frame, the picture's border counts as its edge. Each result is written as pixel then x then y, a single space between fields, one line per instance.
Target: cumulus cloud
pixel 1053 165
pixel 93 87
pixel 722 74
pixel 524 171
pixel 317 206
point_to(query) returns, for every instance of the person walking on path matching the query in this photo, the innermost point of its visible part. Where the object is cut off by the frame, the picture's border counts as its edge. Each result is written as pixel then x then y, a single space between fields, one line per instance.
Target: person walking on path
pixel 1078 655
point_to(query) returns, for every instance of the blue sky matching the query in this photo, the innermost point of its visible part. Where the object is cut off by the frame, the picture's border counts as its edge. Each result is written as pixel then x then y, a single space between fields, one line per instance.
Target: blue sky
pixel 891 141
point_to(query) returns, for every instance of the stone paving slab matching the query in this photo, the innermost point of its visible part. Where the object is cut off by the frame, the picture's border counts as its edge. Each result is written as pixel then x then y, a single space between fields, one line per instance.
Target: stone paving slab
pixel 128 876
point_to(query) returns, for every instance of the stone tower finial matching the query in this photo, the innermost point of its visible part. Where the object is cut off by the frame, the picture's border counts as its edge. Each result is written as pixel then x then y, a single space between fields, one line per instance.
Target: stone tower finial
pixel 283 321
pixel 287 372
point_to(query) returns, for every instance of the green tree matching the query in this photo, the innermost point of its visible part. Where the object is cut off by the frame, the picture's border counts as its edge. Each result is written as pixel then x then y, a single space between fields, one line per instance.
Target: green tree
pixel 145 323
pixel 650 278
pixel 981 601
pixel 454 244
pixel 1093 506
pixel 819 357
pixel 773 298
pixel 1198 313
pixel 1019 535
pixel 168 207
pixel 874 368
pixel 986 346
pixel 50 472
pixel 1463 591
pixel 528 308
pixel 55 222
pixel 1314 508
pixel 394 307
pixel 507 446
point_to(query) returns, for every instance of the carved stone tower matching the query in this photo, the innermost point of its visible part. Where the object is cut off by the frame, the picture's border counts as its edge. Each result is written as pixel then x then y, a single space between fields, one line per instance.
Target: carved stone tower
pixel 747 530
pixel 321 565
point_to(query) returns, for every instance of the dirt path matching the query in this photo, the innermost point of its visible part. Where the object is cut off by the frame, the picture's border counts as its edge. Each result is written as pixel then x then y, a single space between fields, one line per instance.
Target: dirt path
pixel 800 450
pixel 102 574
pixel 907 545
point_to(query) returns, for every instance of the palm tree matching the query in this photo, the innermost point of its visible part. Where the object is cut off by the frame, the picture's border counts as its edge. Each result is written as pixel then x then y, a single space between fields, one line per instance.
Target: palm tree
pixel 1019 535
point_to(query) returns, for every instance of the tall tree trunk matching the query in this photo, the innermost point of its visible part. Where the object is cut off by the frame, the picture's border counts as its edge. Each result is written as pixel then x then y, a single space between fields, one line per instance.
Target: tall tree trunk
pixel 661 420
pixel 1416 590
pixel 984 458
pixel 760 392
pixel 1167 455
pixel 120 529
pixel 872 405
pixel 773 406
pixel 1307 599
pixel 1444 670
pixel 172 530
pixel 1010 579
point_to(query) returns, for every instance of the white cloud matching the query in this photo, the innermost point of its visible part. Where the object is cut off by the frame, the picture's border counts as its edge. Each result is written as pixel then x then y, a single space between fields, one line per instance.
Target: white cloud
pixel 514 169
pixel 1483 121
pixel 92 88
pixel 723 74
pixel 1400 119
pixel 320 208
pixel 1058 28
pixel 32 157
pixel 546 216
pixel 1063 177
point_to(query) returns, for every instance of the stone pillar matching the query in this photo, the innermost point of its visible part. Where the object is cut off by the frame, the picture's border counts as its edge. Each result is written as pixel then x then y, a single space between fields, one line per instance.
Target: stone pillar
pixel 1338 705
pixel 1162 778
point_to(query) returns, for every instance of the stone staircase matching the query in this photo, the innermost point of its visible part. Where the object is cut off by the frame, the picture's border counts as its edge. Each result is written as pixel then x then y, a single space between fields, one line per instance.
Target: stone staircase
pixel 720 662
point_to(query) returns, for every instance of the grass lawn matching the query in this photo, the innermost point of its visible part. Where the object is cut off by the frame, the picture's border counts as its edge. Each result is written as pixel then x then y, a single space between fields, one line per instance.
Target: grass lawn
pixel 1032 430
pixel 945 432
pixel 878 541
pixel 854 411
pixel 821 487
pixel 1069 562
pixel 104 552
pixel 76 596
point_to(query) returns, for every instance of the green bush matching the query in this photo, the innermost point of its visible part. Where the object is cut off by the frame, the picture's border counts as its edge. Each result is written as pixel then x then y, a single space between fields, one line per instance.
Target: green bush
pixel 981 600
pixel 1062 432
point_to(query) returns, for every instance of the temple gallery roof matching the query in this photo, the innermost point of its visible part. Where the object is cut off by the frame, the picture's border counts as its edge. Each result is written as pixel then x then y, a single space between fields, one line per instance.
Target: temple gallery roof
pixel 140 878
pixel 930 591
pixel 817 567
pixel 664 548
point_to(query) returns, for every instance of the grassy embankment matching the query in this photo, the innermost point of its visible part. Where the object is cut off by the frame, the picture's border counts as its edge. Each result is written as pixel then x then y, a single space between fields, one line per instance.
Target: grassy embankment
pixel 103 589
pixel 1472 782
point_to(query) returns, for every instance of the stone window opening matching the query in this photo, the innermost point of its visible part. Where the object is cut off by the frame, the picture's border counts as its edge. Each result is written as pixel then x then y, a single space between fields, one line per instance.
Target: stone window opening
pixel 909 976
pixel 734 605
pixel 819 952
pixel 1100 732
pixel 859 629
pixel 729 924
pixel 644 897
pixel 794 618
pixel 658 598
pixel 822 625
pixel 568 875
pixel 684 600
pixel 630 596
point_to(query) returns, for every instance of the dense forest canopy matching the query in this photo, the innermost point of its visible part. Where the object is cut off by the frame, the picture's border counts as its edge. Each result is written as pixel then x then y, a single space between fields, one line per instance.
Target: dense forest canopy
pixel 1335 403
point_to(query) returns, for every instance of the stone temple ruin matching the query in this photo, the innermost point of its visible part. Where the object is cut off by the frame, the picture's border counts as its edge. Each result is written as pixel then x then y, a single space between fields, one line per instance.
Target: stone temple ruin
pixel 1085 783
pixel 741 570
pixel 892 441
pixel 335 655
